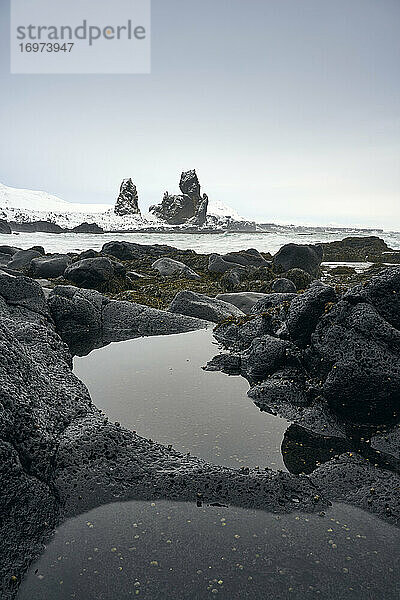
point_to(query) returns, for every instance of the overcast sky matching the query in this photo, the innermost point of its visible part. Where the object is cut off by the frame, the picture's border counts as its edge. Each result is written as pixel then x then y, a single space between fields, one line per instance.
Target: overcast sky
pixel 288 110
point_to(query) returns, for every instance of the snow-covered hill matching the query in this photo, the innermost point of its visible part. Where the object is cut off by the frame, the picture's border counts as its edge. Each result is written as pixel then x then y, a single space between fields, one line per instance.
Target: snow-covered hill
pixel 24 206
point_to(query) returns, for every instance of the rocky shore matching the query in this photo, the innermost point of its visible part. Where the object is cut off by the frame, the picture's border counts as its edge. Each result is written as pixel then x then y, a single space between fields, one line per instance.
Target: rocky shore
pixel 325 354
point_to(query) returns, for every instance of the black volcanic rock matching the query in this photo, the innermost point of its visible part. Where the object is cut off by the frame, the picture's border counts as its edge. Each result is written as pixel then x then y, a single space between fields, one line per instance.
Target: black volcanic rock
pixel 354 249
pixel 93 272
pixel 36 226
pixel 87 228
pixel 296 256
pixel 190 207
pixel 22 259
pixel 51 266
pixel 127 201
pixel 4 226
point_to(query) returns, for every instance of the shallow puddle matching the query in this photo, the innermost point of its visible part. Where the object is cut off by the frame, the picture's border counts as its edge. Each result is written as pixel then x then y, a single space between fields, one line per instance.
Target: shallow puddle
pixel 168 550
pixel 156 386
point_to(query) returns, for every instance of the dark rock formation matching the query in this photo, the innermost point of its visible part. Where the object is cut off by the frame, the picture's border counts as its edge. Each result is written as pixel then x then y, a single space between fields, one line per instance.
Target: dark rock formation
pixel 305 311
pixel 300 278
pixel 52 265
pixel 35 226
pixel 349 347
pixel 190 207
pixel 22 259
pixel 127 201
pixel 293 256
pixel 131 250
pixel 8 250
pixel 88 254
pixel 4 227
pixel 86 319
pixel 283 286
pixel 246 258
pixel 355 249
pixel 93 272
pixel 87 228
pixel 272 300
pixel 169 267
pixel 243 300
pixel 202 307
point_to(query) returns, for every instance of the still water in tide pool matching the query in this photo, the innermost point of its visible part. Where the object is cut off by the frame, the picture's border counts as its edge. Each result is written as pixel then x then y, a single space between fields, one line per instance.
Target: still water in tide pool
pixel 156 387
pixel 165 550
pixel 170 550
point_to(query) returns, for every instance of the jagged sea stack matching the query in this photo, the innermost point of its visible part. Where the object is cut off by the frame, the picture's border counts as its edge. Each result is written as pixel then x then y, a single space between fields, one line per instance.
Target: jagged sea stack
pixel 188 208
pixel 127 201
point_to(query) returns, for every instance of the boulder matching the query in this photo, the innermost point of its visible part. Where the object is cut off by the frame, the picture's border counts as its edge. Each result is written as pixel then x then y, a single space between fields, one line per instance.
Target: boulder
pixel 243 300
pixel 283 286
pixel 87 228
pixel 39 249
pixel 23 292
pixel 4 227
pixel 383 291
pixel 131 250
pixel 36 226
pixel 217 264
pixel 75 310
pixel 51 266
pixel 169 267
pixel 88 254
pixel 270 301
pixel 355 249
pixel 234 277
pixel 91 272
pixel 21 260
pixel 202 307
pixel 246 258
pixel 4 249
pixel 357 356
pixel 265 355
pixel 305 311
pixel 125 320
pixel 306 257
pixel 128 201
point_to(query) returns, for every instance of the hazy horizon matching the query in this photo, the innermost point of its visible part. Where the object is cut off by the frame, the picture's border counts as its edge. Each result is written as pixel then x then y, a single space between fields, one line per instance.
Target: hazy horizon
pixel 288 111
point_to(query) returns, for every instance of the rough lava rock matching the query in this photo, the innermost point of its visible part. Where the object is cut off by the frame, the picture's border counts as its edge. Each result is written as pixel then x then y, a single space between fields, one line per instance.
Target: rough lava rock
pixel 128 201
pixel 190 207
pixel 87 228
pixel 283 286
pixel 169 267
pixel 243 300
pixel 4 227
pixel 92 272
pixel 21 260
pixel 305 311
pixel 306 257
pixel 203 307
pixel 51 266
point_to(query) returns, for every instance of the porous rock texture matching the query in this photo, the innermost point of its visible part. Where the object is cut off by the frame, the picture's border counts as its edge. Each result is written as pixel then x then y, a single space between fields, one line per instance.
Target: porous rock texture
pixel 93 272
pixel 330 363
pixel 188 207
pixel 170 267
pixel 297 256
pixel 203 307
pixel 60 456
pixel 86 319
pixel 128 201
